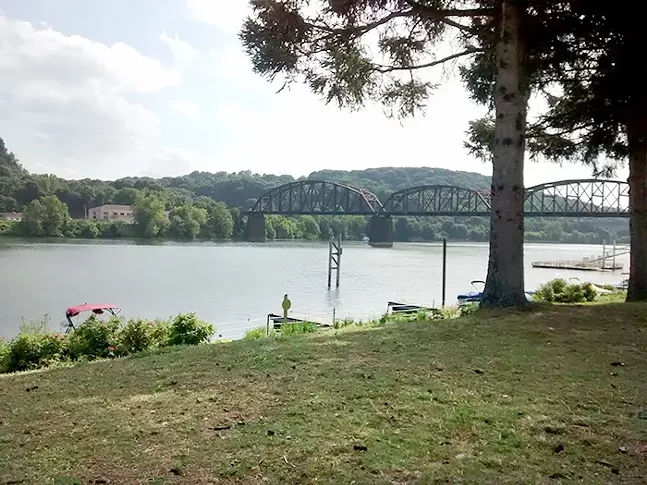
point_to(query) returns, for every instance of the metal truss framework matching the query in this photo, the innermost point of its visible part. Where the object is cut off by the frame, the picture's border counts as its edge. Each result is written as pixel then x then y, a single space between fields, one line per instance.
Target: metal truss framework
pixel 318 198
pixel 578 198
pixel 437 200
pixel 566 198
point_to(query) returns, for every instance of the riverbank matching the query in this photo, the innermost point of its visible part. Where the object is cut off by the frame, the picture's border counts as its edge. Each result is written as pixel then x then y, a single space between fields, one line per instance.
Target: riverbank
pixel 234 286
pixel 556 393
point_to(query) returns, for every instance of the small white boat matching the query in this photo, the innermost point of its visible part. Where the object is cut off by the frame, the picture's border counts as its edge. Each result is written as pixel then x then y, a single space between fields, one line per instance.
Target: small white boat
pixel 471 296
pixel 624 284
pixel 476 295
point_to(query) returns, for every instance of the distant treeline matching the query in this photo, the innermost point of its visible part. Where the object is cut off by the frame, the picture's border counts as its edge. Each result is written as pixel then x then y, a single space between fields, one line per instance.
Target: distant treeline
pixel 213 206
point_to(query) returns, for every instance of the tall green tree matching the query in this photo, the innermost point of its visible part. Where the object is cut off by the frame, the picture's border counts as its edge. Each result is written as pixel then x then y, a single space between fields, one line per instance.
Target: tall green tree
pixel 595 78
pixel 186 221
pixel 327 46
pixel 45 217
pixel 220 223
pixel 600 112
pixel 150 216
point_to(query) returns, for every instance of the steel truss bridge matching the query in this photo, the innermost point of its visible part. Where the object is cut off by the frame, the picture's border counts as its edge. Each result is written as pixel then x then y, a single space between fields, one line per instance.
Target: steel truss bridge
pixel 565 198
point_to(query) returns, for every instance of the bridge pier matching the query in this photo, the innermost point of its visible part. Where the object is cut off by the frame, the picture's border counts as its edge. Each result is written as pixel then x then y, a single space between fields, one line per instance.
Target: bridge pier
pixel 381 232
pixel 255 230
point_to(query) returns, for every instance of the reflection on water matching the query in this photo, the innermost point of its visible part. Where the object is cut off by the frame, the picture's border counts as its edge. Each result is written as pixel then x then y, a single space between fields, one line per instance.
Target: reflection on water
pixel 236 285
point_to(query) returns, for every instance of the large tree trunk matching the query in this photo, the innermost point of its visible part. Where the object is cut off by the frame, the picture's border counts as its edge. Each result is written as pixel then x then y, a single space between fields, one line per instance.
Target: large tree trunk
pixel 637 140
pixel 504 286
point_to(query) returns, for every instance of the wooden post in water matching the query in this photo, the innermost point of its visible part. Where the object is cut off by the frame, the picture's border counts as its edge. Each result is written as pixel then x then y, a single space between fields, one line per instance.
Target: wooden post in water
pixel 444 269
pixel 613 268
pixel 604 253
pixel 334 260
pixel 329 261
pixel 338 259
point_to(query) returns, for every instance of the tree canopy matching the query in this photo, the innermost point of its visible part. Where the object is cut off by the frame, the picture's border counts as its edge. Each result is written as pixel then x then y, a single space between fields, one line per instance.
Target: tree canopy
pixel 597 108
pixel 355 51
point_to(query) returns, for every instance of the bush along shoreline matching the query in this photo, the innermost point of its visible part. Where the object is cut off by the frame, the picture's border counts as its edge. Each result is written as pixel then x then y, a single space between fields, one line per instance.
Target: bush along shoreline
pixel 35 347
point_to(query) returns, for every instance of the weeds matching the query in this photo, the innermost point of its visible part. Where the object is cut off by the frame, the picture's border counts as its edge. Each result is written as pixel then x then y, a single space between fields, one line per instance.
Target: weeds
pixel 298 328
pixel 189 330
pixel 256 333
pixel 560 291
pixel 36 347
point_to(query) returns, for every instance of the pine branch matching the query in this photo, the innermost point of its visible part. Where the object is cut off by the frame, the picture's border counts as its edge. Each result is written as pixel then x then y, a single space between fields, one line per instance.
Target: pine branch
pixel 386 69
pixel 416 9
pixel 538 130
pixel 454 12
pixel 361 29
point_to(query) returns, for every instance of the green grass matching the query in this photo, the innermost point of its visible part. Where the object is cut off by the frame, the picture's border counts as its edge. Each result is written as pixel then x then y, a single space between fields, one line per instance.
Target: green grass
pixel 496 397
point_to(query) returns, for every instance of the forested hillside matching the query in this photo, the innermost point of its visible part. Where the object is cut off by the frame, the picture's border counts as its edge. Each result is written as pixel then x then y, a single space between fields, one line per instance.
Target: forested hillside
pixel 383 181
pixel 191 199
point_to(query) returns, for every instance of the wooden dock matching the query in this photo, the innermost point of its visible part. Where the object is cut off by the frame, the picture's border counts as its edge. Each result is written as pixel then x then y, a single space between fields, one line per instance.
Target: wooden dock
pixel 278 320
pixel 405 309
pixel 577 265
pixel 606 262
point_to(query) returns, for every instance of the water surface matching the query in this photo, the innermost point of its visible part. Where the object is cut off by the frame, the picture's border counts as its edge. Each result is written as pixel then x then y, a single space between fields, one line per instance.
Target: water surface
pixel 236 285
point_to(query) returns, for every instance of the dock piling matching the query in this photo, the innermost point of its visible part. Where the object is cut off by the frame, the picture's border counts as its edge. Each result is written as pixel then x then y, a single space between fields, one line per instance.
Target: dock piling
pixel 444 269
pixel 334 260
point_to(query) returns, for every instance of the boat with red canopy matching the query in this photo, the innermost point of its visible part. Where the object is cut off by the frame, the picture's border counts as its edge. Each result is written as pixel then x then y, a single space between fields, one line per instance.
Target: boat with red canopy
pixel 96 309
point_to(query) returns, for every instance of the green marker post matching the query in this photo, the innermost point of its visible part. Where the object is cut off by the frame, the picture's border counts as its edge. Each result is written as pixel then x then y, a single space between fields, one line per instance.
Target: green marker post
pixel 287 304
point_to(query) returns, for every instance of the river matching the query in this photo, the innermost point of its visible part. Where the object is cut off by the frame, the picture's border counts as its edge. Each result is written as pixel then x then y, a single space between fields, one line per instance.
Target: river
pixel 236 285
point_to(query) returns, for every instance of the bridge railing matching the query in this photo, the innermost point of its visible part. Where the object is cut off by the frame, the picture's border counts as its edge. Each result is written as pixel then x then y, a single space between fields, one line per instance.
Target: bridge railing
pixel 567 198
pixel 317 198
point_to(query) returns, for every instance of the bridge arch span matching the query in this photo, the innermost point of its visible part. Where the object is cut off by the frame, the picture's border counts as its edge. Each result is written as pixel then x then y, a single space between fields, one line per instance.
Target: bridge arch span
pixel 578 198
pixel 317 197
pixel 437 200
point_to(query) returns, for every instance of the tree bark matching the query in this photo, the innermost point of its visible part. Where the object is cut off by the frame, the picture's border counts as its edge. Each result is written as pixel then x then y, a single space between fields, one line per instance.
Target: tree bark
pixel 504 285
pixel 637 141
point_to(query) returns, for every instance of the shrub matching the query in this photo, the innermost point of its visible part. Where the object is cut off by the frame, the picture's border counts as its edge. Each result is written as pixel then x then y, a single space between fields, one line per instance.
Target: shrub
pixel 5 349
pixel 33 350
pixel 559 291
pixel 346 322
pixel 451 312
pixel 138 335
pixel 589 291
pixel 298 328
pixel 94 339
pixel 469 309
pixel 256 333
pixel 188 329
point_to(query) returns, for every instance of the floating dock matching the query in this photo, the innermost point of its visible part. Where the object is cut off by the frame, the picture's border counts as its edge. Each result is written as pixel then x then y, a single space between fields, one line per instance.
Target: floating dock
pixel 404 308
pixel 577 265
pixel 606 262
pixel 278 320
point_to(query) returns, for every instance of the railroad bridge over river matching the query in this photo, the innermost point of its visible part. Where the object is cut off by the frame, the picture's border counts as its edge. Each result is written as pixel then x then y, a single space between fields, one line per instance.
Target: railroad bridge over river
pixel 565 198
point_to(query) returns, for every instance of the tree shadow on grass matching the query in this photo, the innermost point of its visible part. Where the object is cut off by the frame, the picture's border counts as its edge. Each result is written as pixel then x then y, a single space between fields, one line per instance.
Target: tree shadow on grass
pixel 433 400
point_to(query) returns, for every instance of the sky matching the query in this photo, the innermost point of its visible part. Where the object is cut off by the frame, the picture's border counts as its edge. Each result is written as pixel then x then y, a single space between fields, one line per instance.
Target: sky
pixel 108 89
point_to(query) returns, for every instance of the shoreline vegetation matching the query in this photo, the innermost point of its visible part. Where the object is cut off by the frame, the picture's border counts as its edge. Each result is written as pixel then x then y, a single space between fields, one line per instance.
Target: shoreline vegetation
pixel 547 393
pixel 214 206
pixel 36 346
pixel 228 224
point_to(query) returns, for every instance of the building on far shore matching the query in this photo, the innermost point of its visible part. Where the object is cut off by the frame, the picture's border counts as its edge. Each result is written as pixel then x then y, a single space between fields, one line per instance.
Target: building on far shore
pixel 111 212
pixel 10 216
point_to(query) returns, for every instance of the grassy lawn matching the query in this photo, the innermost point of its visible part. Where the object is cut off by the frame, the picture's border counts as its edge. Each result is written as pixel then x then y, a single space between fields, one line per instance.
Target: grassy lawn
pixel 524 397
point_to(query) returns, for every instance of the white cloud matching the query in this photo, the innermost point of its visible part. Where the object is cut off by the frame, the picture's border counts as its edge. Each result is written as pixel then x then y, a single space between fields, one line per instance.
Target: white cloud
pixel 224 14
pixel 76 107
pixel 187 109
pixel 296 133
pixel 80 94
pixel 170 162
pixel 184 54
